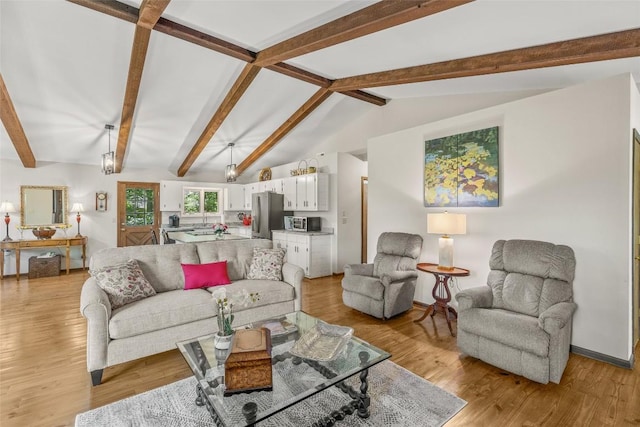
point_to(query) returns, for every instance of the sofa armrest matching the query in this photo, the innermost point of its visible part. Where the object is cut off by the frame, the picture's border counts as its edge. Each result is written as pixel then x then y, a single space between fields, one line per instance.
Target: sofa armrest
pixel 556 317
pixel 96 308
pixel 478 297
pixel 398 276
pixel 293 275
pixel 358 270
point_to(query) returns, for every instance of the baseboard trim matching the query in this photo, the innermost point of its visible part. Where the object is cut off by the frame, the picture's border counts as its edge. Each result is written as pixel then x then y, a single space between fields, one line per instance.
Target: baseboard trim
pixel 628 364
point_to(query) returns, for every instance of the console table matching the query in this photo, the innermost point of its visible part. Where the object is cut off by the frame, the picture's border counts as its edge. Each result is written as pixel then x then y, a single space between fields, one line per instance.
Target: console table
pixel 17 245
pixel 441 292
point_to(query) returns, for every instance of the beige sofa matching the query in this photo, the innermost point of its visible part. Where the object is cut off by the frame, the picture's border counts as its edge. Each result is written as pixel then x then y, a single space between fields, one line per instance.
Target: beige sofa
pixel 154 324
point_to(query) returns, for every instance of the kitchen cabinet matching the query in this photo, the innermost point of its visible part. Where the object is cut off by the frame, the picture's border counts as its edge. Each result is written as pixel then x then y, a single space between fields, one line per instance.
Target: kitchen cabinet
pixel 311 252
pixel 312 192
pixel 234 199
pixel 274 185
pixel 249 189
pixel 289 192
pixel 171 196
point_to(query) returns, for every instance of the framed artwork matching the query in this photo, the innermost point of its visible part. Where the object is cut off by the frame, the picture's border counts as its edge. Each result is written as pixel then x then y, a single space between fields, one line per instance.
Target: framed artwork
pixel 462 170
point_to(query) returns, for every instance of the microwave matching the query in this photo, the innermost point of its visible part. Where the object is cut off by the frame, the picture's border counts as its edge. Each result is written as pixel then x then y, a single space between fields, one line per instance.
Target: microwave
pixel 305 223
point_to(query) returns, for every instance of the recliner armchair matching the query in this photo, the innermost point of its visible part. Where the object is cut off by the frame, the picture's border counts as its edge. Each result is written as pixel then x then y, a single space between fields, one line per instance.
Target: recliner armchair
pixel 386 287
pixel 521 321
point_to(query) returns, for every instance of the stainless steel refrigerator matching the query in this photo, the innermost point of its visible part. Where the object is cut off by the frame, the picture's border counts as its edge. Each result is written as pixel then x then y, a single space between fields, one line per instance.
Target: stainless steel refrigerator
pixel 267 214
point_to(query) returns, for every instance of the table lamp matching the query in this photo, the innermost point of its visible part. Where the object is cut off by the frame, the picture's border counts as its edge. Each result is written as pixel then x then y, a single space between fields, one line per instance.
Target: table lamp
pixel 446 224
pixel 77 207
pixel 7 208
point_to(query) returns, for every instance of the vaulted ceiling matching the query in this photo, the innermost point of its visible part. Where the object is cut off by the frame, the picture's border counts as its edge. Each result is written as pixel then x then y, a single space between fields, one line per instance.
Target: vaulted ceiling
pixel 181 79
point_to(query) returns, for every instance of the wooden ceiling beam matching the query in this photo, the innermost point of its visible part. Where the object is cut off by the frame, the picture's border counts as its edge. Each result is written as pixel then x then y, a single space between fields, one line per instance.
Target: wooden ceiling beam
pixel 377 17
pixel 314 102
pixel 12 124
pixel 622 44
pixel 166 26
pixel 241 84
pixel 136 65
pixel 149 13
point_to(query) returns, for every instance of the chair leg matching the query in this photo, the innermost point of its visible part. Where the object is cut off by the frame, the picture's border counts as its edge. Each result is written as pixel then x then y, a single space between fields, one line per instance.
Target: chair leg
pixel 96 377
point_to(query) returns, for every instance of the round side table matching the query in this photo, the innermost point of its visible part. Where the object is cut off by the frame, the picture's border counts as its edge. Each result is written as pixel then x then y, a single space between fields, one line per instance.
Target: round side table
pixel 441 292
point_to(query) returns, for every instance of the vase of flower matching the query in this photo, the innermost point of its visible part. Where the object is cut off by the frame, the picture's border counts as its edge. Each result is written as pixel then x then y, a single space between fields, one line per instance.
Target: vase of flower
pixel 219 229
pixel 224 310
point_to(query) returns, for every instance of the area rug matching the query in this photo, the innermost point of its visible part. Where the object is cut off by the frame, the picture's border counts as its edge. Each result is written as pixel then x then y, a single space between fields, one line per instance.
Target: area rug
pixel 398 398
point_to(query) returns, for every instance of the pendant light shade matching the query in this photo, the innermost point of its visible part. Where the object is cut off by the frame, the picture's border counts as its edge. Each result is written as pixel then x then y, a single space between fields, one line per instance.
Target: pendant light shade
pixel 108 158
pixel 230 171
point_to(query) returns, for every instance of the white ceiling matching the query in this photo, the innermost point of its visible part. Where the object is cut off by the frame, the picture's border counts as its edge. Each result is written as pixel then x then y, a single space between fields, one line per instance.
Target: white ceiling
pixel 65 67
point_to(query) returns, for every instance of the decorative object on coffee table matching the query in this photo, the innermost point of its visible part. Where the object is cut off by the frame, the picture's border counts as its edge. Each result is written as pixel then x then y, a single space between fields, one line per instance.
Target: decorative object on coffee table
pixel 224 306
pixel 248 366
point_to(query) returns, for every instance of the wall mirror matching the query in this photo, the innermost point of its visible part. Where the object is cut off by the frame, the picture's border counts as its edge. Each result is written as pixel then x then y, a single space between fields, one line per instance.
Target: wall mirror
pixel 43 205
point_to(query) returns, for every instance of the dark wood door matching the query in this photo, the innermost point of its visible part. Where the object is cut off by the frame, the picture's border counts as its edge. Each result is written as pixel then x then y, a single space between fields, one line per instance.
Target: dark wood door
pixel 138 212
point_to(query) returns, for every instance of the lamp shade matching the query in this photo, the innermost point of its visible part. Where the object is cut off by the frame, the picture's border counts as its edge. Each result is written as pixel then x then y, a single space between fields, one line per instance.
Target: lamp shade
pixel 446 223
pixel 77 207
pixel 7 207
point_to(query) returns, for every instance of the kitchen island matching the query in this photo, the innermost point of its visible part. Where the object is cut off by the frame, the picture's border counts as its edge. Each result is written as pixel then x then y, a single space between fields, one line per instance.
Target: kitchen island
pixel 201 236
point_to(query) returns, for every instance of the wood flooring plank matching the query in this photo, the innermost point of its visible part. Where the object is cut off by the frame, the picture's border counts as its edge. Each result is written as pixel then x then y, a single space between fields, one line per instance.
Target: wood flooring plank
pixel 43 378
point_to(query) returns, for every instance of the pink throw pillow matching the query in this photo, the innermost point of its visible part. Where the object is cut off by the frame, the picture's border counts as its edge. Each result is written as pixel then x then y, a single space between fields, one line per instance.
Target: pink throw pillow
pixel 205 275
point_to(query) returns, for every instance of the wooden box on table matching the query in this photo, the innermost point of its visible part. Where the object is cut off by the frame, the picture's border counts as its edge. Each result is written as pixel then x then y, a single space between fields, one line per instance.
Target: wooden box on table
pixel 248 366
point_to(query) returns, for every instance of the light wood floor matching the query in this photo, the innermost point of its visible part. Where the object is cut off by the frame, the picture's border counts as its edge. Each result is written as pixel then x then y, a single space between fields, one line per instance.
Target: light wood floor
pixel 43 378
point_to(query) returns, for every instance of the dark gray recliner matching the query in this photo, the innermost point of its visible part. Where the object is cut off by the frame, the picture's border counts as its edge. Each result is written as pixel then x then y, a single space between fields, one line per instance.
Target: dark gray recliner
pixel 386 287
pixel 521 321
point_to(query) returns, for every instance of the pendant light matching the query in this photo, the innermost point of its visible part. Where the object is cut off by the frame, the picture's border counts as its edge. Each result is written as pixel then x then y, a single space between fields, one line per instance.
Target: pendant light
pixel 108 158
pixel 230 170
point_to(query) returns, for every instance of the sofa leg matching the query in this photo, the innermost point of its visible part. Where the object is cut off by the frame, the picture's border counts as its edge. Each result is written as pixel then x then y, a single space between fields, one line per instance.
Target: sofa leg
pixel 96 377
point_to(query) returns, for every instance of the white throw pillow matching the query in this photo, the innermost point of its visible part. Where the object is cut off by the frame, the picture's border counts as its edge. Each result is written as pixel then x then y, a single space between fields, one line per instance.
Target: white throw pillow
pixel 123 283
pixel 266 264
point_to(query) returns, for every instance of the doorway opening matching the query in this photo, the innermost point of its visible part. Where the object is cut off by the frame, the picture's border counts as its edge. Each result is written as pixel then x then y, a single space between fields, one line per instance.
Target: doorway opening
pixel 636 236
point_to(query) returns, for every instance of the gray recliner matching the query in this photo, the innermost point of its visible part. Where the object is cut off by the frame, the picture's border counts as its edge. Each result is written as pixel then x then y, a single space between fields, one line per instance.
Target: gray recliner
pixel 386 287
pixel 521 321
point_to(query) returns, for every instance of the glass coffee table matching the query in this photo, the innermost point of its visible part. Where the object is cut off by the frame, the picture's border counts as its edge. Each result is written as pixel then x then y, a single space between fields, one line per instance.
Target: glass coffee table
pixel 294 378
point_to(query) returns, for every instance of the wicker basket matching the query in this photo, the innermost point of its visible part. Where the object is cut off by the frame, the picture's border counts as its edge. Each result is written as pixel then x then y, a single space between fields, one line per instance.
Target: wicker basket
pixel 44 267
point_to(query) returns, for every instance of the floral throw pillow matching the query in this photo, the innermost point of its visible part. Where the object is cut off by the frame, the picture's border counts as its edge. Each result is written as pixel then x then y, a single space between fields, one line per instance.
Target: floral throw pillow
pixel 266 264
pixel 123 283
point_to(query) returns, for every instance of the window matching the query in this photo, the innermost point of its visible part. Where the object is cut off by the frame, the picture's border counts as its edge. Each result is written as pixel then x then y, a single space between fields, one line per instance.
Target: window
pixel 139 206
pixel 201 201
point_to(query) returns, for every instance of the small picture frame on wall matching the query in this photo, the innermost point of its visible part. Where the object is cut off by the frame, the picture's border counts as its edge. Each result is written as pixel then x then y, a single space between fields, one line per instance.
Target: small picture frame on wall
pixel 101 201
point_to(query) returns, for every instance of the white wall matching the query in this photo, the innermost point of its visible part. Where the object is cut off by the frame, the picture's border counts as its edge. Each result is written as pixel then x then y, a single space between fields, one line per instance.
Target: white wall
pixel 565 178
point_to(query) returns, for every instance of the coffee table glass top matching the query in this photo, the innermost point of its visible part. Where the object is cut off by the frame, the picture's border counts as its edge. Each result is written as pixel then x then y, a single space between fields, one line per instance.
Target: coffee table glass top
pixel 292 381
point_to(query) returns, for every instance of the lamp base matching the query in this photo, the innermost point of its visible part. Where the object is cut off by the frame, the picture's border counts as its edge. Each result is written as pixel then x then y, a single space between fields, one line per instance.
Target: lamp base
pixel 7 239
pixel 445 253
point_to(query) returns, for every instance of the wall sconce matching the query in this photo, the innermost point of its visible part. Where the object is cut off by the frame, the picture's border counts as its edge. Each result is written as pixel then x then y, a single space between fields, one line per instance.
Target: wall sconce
pixel 77 207
pixel 7 208
pixel 230 171
pixel 108 158
pixel 446 224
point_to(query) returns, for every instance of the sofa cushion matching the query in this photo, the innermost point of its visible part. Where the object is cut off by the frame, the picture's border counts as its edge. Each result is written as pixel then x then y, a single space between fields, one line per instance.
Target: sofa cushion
pixel 506 327
pixel 123 283
pixel 266 264
pixel 237 253
pixel 159 263
pixel 161 311
pixel 205 275
pixel 270 291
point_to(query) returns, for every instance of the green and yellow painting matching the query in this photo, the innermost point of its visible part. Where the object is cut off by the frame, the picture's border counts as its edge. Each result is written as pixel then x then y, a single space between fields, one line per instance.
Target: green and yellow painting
pixel 462 170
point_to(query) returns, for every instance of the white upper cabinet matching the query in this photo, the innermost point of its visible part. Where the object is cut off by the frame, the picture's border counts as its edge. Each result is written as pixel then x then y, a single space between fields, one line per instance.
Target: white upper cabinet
pixel 234 199
pixel 312 192
pixel 171 196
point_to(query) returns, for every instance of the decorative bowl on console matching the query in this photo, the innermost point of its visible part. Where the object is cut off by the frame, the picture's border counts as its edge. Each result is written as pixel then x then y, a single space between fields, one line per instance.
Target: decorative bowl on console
pixel 44 232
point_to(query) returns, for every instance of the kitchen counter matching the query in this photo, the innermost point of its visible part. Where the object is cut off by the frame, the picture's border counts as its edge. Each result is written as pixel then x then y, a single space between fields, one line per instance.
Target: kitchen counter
pixel 194 237
pixel 305 233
